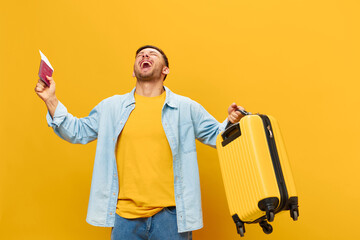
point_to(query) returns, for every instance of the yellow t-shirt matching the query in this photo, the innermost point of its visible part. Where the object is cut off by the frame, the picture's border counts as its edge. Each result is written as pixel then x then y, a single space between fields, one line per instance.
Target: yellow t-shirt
pixel 144 161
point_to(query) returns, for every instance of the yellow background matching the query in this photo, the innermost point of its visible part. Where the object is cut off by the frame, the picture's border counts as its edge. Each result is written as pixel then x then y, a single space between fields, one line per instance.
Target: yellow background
pixel 297 60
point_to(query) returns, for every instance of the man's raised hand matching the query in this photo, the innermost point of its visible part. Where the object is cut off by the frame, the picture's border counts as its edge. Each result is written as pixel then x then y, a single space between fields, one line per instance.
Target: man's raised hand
pixel 47 94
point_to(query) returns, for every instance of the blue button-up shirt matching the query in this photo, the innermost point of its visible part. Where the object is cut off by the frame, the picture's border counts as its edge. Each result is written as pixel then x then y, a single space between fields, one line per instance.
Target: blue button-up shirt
pixel 183 121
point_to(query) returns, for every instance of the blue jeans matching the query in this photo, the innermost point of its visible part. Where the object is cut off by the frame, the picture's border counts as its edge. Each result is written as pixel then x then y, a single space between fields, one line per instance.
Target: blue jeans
pixel 161 226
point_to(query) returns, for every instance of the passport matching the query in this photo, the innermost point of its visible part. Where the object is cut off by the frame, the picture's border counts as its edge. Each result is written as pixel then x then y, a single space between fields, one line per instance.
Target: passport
pixel 45 69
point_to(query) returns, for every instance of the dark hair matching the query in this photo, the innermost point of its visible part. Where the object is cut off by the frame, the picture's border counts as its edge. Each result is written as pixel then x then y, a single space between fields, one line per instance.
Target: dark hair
pixel 158 49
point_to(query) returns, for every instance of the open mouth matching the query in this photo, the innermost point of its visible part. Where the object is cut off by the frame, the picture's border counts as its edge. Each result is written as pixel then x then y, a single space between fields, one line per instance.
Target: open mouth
pixel 145 64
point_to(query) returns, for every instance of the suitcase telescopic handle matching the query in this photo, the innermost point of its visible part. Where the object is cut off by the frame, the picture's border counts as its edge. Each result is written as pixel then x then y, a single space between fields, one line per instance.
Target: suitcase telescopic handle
pixel 243 112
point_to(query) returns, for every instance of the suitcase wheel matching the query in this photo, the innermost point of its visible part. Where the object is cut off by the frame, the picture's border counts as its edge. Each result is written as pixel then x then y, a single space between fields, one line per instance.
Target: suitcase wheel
pixel 270 215
pixel 240 227
pixel 241 231
pixel 266 227
pixel 294 208
pixel 294 213
pixel 269 205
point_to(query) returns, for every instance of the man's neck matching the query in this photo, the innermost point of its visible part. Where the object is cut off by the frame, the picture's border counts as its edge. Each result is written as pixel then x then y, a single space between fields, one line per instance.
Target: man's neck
pixel 149 89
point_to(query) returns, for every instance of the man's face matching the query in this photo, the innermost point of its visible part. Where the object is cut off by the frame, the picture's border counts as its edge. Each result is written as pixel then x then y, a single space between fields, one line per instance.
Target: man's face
pixel 149 65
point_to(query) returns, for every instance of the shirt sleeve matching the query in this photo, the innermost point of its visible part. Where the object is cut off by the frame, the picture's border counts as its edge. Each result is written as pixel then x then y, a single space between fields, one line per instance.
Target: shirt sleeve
pixel 73 129
pixel 206 127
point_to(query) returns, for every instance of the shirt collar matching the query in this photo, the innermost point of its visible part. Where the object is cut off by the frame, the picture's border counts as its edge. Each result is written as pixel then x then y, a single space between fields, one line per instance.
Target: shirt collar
pixel 170 98
pixel 130 98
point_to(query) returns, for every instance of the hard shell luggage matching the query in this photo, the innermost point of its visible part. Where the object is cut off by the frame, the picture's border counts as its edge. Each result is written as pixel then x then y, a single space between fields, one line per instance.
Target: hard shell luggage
pixel 256 172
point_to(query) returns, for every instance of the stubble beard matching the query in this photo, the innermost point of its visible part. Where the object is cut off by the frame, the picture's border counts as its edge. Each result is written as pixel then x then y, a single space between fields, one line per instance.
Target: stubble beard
pixel 148 76
pixel 144 77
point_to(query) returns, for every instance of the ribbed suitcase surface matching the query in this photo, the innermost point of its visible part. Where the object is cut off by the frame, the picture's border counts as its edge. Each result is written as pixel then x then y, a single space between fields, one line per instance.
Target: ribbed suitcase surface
pixel 256 173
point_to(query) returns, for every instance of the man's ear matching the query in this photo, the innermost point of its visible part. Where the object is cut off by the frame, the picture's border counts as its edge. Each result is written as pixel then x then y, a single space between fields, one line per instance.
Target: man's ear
pixel 165 70
pixel 133 74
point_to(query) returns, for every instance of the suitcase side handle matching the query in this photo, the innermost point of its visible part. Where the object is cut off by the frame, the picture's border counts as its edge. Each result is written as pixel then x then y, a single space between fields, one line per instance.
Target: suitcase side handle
pixel 230 134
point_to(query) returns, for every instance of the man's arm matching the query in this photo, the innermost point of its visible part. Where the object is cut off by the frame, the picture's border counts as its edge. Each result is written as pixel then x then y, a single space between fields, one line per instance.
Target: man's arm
pixel 65 125
pixel 207 127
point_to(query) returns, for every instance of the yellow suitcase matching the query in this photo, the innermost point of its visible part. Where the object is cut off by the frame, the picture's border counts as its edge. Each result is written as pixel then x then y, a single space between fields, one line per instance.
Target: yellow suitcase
pixel 256 172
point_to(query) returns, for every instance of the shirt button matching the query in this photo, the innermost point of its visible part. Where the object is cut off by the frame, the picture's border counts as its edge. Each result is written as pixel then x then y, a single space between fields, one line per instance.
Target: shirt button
pixel 111 213
pixel 121 122
pixel 114 194
pixel 113 139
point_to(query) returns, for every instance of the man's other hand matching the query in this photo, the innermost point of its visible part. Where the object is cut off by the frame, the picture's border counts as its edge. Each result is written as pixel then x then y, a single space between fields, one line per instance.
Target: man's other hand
pixel 235 116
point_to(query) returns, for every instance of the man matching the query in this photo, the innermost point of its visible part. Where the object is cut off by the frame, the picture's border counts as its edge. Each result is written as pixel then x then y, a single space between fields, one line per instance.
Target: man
pixel 145 182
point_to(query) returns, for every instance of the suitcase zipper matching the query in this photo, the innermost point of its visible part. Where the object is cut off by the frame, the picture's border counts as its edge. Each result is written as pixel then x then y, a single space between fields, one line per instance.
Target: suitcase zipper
pixel 276 163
